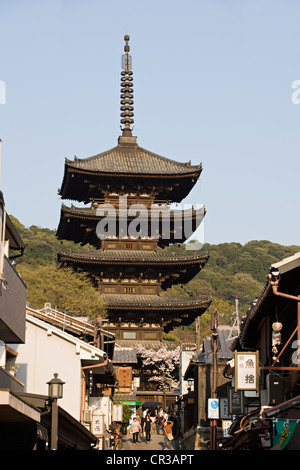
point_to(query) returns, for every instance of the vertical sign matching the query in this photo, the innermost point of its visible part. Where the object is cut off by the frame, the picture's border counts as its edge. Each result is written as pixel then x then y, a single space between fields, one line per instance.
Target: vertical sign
pixel 213 408
pixel 98 425
pixel 246 370
pixel 224 411
pixel 236 401
pixel 226 425
pixel 117 413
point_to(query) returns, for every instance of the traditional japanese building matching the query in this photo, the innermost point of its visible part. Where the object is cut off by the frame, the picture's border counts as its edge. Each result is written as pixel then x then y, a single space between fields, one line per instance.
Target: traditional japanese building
pixel 128 221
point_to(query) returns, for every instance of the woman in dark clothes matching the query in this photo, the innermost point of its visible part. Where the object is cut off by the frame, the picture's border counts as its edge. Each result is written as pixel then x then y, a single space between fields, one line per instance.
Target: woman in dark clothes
pixel 147 428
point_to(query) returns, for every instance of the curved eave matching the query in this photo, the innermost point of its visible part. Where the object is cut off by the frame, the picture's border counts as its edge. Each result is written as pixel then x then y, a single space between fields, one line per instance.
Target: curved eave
pixel 164 303
pixel 89 259
pixel 176 314
pixel 75 186
pixel 79 225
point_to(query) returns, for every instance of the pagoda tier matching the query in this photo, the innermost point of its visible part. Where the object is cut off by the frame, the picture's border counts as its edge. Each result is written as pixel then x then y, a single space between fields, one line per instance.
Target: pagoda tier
pixel 128 266
pixel 168 311
pixel 128 165
pixel 79 225
pixel 136 271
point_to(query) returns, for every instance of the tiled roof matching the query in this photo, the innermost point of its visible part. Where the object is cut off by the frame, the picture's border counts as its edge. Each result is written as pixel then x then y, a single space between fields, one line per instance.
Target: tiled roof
pixel 132 159
pixel 154 302
pixel 135 256
pixel 150 344
pixel 91 212
pixel 225 338
pixel 124 355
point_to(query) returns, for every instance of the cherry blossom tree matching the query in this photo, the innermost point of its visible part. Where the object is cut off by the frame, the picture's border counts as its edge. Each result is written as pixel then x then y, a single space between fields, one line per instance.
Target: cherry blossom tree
pixel 163 363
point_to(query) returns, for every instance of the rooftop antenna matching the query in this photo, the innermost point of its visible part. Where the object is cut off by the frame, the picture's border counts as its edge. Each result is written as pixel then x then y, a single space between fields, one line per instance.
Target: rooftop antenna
pixel 236 324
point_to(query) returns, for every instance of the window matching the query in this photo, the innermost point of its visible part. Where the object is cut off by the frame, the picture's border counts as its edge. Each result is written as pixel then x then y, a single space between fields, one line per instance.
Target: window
pixel 129 290
pixel 129 246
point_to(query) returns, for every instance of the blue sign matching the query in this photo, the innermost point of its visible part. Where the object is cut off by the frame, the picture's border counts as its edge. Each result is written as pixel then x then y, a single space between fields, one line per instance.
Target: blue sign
pixel 213 408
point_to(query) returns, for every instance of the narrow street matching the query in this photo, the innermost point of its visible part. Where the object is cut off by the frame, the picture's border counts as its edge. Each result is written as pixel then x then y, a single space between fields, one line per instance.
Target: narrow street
pixel 156 443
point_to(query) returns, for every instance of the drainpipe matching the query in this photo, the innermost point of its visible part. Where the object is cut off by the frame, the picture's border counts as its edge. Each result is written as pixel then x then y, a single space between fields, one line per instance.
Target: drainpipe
pixel 274 277
pixel 83 387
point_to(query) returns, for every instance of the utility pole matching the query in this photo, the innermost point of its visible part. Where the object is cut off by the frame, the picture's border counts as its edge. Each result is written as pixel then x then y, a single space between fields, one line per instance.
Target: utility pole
pixel 198 335
pixel 214 328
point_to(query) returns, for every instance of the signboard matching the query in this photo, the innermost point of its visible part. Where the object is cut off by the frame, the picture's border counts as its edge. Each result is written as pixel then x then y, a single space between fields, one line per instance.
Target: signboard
pixel 236 401
pixel 98 425
pixel 117 413
pixel 226 424
pixel 224 412
pixel 246 370
pixel 213 408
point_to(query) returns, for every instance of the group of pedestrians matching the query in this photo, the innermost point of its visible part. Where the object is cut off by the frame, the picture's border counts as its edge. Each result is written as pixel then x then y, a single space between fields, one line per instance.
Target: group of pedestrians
pixel 170 426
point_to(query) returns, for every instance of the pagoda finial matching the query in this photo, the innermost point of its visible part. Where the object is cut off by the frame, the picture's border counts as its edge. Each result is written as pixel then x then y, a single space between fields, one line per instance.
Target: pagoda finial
pixel 126 91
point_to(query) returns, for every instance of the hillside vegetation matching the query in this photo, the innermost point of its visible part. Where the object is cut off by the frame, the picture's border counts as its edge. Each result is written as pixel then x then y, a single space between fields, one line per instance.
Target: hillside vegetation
pixel 233 271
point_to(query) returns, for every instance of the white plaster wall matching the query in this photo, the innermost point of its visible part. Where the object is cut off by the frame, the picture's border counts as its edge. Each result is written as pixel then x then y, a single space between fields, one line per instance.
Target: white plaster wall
pixel 44 354
pixel 184 361
pixel 103 405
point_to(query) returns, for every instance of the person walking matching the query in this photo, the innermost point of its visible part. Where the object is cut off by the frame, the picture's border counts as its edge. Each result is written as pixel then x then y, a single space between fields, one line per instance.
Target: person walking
pixel 168 425
pixel 145 413
pixel 147 428
pixel 135 429
pixel 175 430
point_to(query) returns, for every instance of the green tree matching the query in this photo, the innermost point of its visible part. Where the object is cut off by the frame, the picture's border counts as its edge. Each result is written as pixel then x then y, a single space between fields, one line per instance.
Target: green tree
pixel 67 291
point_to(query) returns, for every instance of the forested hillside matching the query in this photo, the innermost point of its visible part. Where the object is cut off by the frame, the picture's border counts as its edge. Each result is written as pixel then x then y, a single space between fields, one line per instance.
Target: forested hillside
pixel 232 271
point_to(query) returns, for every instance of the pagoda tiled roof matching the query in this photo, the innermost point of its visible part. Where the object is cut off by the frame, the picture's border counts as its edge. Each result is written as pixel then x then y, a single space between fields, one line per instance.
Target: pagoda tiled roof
pixel 132 160
pixel 171 311
pixel 148 344
pixel 154 302
pixel 135 257
pixel 91 212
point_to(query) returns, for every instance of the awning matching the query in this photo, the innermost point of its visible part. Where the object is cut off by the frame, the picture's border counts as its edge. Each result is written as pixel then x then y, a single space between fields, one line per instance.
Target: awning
pixel 130 402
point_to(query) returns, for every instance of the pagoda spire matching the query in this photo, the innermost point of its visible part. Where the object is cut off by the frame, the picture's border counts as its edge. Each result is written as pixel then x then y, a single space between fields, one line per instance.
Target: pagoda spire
pixel 126 91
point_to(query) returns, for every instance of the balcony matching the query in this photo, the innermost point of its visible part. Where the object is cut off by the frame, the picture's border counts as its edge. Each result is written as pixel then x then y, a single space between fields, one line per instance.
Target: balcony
pixel 12 306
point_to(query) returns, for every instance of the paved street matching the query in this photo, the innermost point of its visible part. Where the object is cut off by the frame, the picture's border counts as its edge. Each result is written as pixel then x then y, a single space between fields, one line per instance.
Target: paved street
pixel 156 443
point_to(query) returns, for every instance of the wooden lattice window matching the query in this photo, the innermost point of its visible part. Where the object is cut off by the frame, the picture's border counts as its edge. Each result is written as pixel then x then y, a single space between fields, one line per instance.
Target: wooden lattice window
pixel 129 290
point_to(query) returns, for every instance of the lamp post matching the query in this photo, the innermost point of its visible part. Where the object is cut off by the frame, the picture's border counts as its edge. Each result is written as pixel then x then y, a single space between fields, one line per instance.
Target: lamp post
pixel 55 391
pixel 213 422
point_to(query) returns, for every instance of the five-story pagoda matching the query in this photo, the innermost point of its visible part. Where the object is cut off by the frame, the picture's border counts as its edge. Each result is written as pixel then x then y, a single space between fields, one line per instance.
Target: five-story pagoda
pixel 128 191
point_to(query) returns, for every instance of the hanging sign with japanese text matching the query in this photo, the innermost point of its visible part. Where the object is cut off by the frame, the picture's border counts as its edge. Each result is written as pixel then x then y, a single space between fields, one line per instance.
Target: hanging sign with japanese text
pixel 246 370
pixel 117 412
pixel 98 424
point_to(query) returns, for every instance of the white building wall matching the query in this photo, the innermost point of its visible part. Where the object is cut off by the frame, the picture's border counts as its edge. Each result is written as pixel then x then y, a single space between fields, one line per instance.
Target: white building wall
pixel 185 357
pixel 43 354
pixel 49 350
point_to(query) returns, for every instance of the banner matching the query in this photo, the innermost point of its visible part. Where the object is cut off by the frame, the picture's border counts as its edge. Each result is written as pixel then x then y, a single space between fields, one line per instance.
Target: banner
pixel 284 432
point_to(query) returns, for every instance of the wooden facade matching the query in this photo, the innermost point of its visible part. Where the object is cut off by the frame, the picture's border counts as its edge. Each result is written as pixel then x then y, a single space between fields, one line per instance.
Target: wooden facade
pixel 272 329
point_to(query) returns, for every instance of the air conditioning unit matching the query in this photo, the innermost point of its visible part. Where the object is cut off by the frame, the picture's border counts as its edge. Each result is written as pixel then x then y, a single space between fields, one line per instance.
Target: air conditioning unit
pixel 275 389
pixel 87 416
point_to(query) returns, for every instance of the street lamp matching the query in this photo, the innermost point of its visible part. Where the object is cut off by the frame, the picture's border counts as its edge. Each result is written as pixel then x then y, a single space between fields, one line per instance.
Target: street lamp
pixel 55 387
pixel 55 391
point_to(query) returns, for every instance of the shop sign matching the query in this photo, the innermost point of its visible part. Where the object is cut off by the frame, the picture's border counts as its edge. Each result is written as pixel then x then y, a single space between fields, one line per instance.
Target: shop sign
pixel 246 370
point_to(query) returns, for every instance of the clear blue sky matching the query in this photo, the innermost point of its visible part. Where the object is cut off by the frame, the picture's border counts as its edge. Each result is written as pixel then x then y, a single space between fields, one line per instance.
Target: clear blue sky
pixel 212 84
